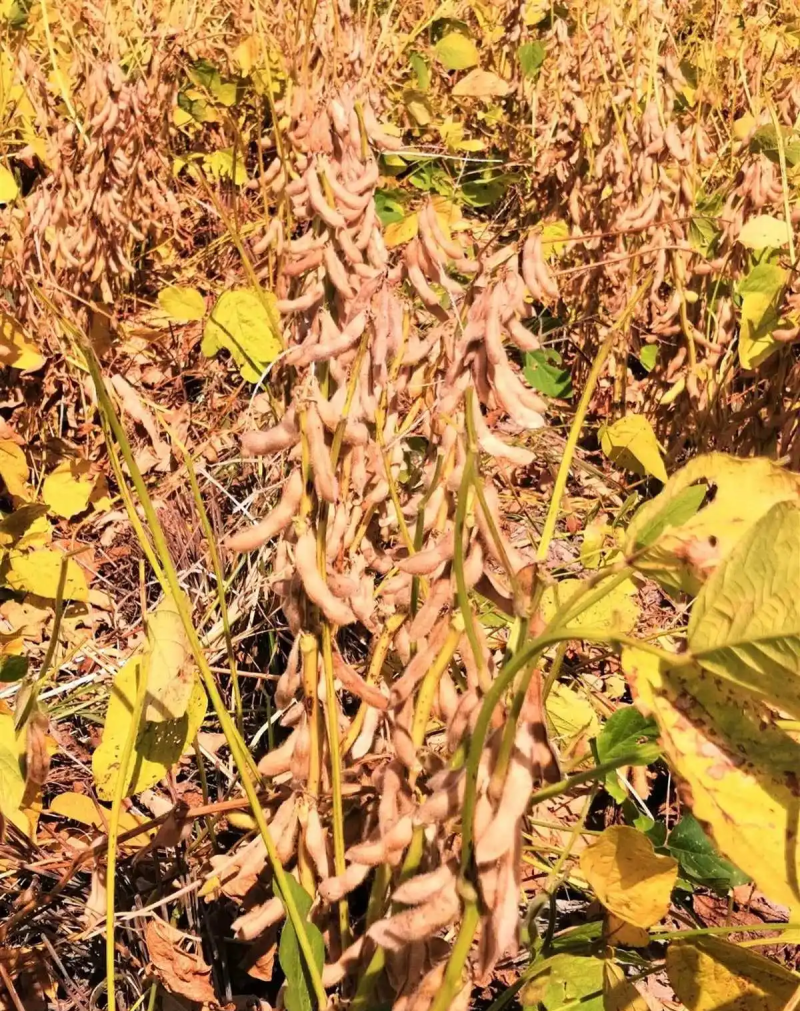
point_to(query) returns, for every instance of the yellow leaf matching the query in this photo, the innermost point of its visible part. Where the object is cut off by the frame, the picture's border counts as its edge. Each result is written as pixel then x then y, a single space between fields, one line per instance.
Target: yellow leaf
pixel 709 974
pixel 399 232
pixel 764 231
pixel 12 778
pixel 14 469
pixel 618 932
pixel 81 807
pixel 16 349
pixel 245 323
pixel 39 572
pixel 100 498
pixel 171 679
pixel 570 713
pixel 158 745
pixel 8 186
pixel 246 54
pixel 740 770
pixel 630 443
pixel 68 489
pixel 418 107
pixel 182 304
pixel 456 51
pixel 481 84
pixel 631 880
pixel 704 509
pixel 618 993
pixel 26 527
pixel 617 609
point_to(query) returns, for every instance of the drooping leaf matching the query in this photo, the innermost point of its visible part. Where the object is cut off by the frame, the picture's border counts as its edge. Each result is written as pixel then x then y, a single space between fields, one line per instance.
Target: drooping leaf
pixel 68 489
pixel 741 772
pixel 544 371
pixel 699 860
pixel 565 978
pixel 181 972
pixel 481 84
pixel 39 572
pixel 631 443
pixel 688 535
pixel 531 57
pixel 244 323
pixel 299 991
pixel 709 974
pixel 14 469
pixel 456 51
pixel 181 303
pixel 158 745
pixel 619 994
pixel 418 107
pixel 171 678
pixel 630 879
pixel 16 348
pixel 765 231
pixel 745 624
pixel 626 732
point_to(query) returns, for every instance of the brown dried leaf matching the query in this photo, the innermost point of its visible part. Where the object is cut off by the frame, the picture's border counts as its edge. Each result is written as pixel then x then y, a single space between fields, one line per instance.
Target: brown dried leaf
pixel 180 972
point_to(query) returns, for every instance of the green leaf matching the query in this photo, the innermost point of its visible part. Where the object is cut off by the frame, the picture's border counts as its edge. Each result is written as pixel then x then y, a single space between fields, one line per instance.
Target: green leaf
pixel 244 323
pixel 563 979
pixel 631 443
pixel 158 745
pixel 703 230
pixel 765 231
pixel 389 205
pixel 622 735
pixel 484 193
pixel 544 371
pixel 299 991
pixel 648 356
pixel 689 535
pixel 761 293
pixel 456 51
pixel 699 859
pixel 12 668
pixel 531 57
pixel 182 304
pixel 676 512
pixel 765 141
pixel 421 71
pixel 745 624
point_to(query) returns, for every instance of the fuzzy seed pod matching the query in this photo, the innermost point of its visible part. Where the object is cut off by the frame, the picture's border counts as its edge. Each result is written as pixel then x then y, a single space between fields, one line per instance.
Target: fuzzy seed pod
pixel 314 584
pixel 276 521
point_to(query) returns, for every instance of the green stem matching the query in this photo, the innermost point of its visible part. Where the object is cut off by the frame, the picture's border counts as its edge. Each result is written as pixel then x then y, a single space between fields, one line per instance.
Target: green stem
pixel 571 445
pixel 158 551
pixel 113 820
pixel 336 773
pixel 453 974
